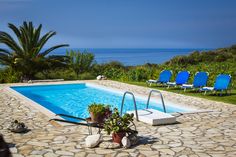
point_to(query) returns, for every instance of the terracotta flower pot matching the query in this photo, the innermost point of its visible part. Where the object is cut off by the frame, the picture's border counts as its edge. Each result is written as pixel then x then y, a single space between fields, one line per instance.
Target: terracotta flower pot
pixel 117 137
pixel 98 118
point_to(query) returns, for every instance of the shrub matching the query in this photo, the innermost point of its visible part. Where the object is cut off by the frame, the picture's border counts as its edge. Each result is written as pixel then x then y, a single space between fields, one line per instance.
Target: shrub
pixel 9 76
pixel 80 62
pixel 86 76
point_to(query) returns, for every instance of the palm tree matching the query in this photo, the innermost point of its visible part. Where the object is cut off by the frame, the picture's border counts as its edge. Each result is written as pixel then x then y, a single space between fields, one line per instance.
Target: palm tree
pixel 26 54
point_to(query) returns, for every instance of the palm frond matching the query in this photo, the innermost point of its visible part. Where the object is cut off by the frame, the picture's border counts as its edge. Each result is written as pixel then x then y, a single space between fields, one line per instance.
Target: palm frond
pixel 37 34
pixel 6 39
pixel 16 31
pixel 62 58
pixel 5 51
pixel 5 59
pixel 25 38
pixel 52 48
pixel 44 39
pixel 56 61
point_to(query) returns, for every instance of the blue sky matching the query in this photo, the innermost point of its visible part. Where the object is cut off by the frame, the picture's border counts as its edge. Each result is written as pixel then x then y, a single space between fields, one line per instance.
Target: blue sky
pixel 128 23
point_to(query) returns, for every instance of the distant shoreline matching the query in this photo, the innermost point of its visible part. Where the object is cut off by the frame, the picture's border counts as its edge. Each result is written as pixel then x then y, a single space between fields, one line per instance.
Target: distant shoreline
pixel 134 56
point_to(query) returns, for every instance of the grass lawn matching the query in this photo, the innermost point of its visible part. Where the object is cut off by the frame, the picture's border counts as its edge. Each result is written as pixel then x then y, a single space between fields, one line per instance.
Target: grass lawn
pixel 224 98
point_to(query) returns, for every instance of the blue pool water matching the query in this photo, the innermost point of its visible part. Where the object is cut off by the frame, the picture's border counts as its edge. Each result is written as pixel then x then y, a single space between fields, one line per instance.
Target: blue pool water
pixel 73 99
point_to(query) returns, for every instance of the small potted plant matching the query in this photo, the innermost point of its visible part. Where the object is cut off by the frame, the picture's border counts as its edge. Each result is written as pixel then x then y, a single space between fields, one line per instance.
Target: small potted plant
pixel 118 125
pixel 98 112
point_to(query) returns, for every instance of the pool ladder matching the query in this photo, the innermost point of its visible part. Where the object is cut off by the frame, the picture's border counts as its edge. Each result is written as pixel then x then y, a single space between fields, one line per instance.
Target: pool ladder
pixel 162 100
pixel 135 106
pixel 148 101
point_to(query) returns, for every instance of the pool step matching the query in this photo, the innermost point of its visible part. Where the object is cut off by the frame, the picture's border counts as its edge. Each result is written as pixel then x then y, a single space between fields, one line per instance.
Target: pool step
pixel 154 117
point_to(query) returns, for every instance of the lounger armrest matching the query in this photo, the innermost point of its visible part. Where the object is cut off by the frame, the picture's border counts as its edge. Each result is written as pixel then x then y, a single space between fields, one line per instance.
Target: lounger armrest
pixel 78 123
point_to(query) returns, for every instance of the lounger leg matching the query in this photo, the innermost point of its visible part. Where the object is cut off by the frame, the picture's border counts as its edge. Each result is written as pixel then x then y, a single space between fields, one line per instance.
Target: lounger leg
pixel 185 89
pixel 90 130
pixel 205 92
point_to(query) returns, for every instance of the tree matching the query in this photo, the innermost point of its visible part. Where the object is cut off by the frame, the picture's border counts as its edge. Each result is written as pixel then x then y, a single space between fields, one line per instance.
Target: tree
pixel 26 54
pixel 80 62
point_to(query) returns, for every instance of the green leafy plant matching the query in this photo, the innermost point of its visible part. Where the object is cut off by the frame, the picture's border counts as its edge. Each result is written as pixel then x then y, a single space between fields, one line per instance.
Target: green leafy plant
pixel 116 123
pixel 99 112
pixel 97 108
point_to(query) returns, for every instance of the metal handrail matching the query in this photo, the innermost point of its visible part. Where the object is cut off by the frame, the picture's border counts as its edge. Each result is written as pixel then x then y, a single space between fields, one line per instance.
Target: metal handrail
pixel 149 96
pixel 135 106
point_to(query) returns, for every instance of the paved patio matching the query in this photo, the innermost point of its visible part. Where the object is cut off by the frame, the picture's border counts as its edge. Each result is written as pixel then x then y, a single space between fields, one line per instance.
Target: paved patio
pixel 197 135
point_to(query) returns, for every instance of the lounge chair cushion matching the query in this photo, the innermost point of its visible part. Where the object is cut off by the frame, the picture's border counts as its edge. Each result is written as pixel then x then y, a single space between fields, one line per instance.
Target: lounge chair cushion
pixel 152 81
pixel 187 86
pixel 207 88
pixel 171 83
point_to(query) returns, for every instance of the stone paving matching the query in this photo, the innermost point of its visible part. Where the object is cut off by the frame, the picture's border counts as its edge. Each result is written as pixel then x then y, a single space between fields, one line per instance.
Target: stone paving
pixel 206 134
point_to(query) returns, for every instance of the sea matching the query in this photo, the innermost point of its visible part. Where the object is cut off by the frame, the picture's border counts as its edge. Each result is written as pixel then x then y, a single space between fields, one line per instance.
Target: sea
pixel 133 56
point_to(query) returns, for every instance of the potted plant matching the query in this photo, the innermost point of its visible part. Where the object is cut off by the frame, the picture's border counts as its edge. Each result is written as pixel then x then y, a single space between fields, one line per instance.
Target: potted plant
pixel 98 112
pixel 118 125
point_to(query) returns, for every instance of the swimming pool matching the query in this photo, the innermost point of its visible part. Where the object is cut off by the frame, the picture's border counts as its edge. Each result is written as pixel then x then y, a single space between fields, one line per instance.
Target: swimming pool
pixel 73 99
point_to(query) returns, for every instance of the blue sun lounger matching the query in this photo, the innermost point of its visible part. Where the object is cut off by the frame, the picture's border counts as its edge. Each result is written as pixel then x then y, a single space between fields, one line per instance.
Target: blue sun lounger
pixel 222 83
pixel 199 81
pixel 164 77
pixel 181 78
